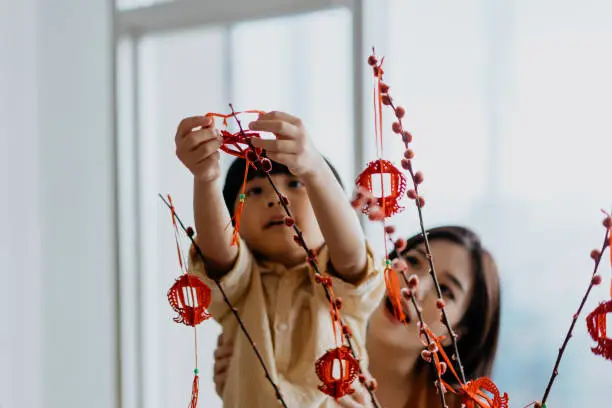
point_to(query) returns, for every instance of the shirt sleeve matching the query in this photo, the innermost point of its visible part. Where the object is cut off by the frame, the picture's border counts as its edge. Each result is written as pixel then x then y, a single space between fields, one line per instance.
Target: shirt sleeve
pixel 359 299
pixel 235 283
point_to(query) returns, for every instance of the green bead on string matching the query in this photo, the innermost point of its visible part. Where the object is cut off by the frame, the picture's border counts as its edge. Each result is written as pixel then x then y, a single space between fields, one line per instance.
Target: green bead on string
pixel 242 198
pixel 387 262
pixel 196 371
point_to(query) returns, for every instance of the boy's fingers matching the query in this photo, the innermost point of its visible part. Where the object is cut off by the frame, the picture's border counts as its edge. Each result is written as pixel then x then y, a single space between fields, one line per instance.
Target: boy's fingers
pixel 275 145
pixel 223 351
pixel 276 115
pixel 284 158
pixel 204 155
pixel 188 124
pixel 278 127
pixel 199 138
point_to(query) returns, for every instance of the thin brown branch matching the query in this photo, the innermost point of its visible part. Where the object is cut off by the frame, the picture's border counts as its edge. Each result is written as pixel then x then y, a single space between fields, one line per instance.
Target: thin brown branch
pixel 555 370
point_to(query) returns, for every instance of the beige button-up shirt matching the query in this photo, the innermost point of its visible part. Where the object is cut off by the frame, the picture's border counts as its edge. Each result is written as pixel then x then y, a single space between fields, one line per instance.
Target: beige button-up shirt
pixel 288 317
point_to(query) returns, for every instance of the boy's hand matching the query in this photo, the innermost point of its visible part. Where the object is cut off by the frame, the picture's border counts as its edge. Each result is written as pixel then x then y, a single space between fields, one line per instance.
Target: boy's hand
pixel 292 146
pixel 197 149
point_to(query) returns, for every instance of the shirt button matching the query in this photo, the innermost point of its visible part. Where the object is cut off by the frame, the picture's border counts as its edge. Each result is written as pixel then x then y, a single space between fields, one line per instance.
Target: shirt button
pixel 282 326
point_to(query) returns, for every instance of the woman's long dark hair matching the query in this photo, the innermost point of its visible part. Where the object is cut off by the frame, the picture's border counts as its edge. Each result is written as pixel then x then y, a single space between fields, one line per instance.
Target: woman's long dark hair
pixel 479 326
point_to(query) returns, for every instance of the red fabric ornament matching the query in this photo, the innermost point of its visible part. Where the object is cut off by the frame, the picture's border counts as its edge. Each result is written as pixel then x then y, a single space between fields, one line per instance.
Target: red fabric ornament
pixel 483 393
pixel 349 370
pixel 389 200
pixel 190 298
pixel 596 325
pixel 237 144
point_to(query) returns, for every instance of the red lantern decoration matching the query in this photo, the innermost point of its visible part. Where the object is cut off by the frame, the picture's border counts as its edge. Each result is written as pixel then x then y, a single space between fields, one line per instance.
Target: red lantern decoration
pixel 596 325
pixel 483 392
pixel 349 370
pixel 389 200
pixel 190 298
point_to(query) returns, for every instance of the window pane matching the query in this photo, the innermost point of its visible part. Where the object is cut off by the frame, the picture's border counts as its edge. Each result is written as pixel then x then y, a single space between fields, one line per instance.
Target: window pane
pixel 182 75
pixel 435 67
pixel 306 73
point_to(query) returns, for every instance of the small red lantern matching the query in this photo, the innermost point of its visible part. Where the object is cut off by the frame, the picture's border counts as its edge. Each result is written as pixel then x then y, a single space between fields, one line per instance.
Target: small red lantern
pixel 349 370
pixel 388 202
pixel 190 298
pixel 483 392
pixel 596 324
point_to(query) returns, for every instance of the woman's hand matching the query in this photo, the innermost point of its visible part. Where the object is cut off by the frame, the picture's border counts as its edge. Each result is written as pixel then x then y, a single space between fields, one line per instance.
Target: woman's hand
pixel 223 357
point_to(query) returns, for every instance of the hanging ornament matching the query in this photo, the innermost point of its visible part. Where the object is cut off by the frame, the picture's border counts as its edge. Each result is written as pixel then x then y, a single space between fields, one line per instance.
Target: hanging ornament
pixel 388 201
pixel 337 386
pixel 190 298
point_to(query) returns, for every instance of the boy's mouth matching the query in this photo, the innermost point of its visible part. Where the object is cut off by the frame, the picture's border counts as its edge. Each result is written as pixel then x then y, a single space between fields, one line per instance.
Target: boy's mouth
pixel 275 222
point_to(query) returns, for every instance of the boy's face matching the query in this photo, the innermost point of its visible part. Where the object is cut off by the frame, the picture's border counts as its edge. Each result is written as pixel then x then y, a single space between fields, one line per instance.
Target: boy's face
pixel 262 224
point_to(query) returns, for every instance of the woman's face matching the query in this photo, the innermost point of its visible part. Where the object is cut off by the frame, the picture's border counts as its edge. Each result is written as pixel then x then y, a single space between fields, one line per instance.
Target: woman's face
pixel 454 270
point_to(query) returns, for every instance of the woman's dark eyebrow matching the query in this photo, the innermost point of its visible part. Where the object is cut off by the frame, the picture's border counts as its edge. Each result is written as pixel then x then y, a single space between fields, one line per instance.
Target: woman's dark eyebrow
pixel 454 279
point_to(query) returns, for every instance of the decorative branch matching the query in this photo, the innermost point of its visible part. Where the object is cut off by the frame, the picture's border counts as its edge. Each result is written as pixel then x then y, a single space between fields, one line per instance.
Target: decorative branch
pixel 264 165
pixel 417 179
pixel 595 280
pixel 189 232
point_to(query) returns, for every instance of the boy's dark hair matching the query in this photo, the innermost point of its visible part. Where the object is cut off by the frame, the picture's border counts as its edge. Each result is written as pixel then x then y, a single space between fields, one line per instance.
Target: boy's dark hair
pixel 235 177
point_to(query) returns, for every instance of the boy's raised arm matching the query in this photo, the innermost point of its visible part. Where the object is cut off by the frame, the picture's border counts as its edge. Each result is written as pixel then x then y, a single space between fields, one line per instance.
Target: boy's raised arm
pixel 337 219
pixel 197 142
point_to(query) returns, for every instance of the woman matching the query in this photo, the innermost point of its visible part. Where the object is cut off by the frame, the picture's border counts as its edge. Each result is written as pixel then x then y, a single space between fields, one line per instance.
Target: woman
pixel 469 282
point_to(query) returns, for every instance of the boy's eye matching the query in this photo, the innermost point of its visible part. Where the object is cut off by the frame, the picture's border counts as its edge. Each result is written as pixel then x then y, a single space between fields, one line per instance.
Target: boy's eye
pixel 254 191
pixel 295 183
pixel 447 292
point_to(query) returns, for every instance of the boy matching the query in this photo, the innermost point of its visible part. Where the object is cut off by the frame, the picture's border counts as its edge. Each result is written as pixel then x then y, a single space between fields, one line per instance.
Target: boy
pixel 266 275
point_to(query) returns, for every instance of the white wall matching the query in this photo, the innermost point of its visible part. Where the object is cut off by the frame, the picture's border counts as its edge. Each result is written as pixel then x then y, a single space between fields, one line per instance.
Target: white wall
pixel 58 344
pixel 20 276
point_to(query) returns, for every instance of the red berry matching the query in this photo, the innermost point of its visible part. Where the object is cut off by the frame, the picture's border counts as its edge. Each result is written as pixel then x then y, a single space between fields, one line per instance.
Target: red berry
pixel 439 303
pixel 420 202
pixel 418 177
pixel 372 60
pixel 390 229
pixel 384 88
pixel 406 164
pixel 400 245
pixel 190 232
pixel 406 136
pixel 266 165
pixel 596 280
pixel 409 154
pixel 338 303
pixel 362 378
pixel 396 127
pixel 252 156
pixel 607 222
pixel 400 112
pixel 386 100
pixel 412 194
pixel 290 222
pixel 595 254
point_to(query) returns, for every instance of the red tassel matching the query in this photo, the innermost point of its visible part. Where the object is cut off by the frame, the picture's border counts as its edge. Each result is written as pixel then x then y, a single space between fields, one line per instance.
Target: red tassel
pixel 238 212
pixel 596 325
pixel 195 389
pixel 392 283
